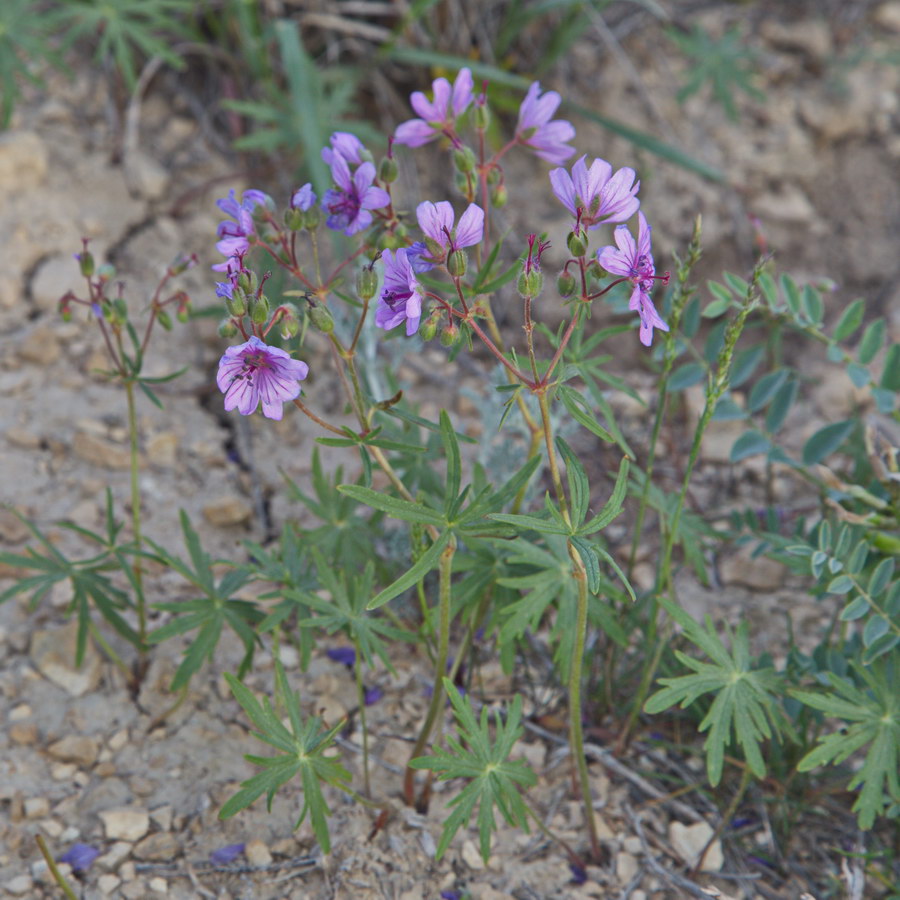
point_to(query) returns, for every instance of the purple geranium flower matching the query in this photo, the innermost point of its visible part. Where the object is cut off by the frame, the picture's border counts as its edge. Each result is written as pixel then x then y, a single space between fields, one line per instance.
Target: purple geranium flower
pixel 304 198
pixel 225 855
pixel 345 145
pixel 254 372
pixel 439 116
pixel 635 262
pixel 596 192
pixel 547 138
pixel 80 857
pixel 233 236
pixel 436 220
pixel 345 655
pixel 401 297
pixel 348 206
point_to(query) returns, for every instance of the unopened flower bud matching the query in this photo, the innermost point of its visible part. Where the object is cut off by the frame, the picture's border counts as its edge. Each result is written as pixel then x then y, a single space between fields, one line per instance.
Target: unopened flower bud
pixel 457 263
pixel 482 116
pixel 577 242
pixel 400 230
pixel 464 158
pixel 227 328
pixel 235 304
pixel 530 284
pixel 449 335
pixel 461 183
pixel 107 311
pixel 183 310
pixel 182 263
pixel 565 284
pixel 164 319
pixel 247 282
pixel 428 328
pixel 85 263
pixel 294 219
pixel 388 170
pixel 321 318
pixel 499 196
pixel 65 309
pixel 366 283
pixel 259 310
pixel 106 272
pixel 312 218
pixel 120 308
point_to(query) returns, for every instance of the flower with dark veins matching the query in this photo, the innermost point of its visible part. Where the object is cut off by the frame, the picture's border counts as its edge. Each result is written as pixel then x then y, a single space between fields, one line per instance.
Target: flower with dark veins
pixel 437 222
pixel 634 261
pixel 401 296
pixel 348 206
pixel 536 130
pixel 253 372
pixel 439 116
pixel 596 192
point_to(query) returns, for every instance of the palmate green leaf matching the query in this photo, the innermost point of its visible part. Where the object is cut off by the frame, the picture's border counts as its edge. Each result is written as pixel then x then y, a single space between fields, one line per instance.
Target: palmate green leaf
pixel 304 752
pixel 206 614
pixel 494 779
pixel 874 722
pixel 746 705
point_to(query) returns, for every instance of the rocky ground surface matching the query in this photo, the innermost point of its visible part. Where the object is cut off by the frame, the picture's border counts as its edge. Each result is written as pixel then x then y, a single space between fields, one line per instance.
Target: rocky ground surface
pixel 81 760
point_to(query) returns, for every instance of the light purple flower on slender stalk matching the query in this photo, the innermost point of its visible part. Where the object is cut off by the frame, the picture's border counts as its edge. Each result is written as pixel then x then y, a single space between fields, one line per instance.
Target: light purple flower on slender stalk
pixel 536 130
pixel 233 236
pixel 436 221
pixel 254 372
pixel 304 198
pixel 348 206
pixel 600 195
pixel 346 145
pixel 634 261
pixel 401 296
pixel 439 116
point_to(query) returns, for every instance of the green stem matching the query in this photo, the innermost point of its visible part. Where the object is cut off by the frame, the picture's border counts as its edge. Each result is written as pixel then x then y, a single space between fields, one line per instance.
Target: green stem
pixel 576 735
pixel 445 571
pixel 54 869
pixel 136 515
pixel 551 455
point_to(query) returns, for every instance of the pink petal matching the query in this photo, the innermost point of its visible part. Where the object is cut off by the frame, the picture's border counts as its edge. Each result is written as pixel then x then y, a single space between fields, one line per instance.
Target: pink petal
pixel 414 133
pixel 434 218
pixel 564 188
pixel 471 226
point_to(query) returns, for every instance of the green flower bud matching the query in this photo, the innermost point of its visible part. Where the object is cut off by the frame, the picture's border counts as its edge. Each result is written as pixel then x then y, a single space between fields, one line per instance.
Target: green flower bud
pixel 366 283
pixel 259 310
pixel 182 263
pixel 121 309
pixel 164 319
pixel 461 183
pixel 236 305
pixel 86 263
pixel 565 284
pixel 401 230
pixel 499 196
pixel 227 328
pixel 449 335
pixel 428 328
pixel 294 219
pixel 321 318
pixel 457 263
pixel 530 284
pixel 106 272
pixel 312 218
pixel 465 160
pixel 577 242
pixel 482 116
pixel 65 310
pixel 388 170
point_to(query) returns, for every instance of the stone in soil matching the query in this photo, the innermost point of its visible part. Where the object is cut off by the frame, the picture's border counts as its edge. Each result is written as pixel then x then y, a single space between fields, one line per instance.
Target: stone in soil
pixel 125 823
pixel 688 842
pixel 75 748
